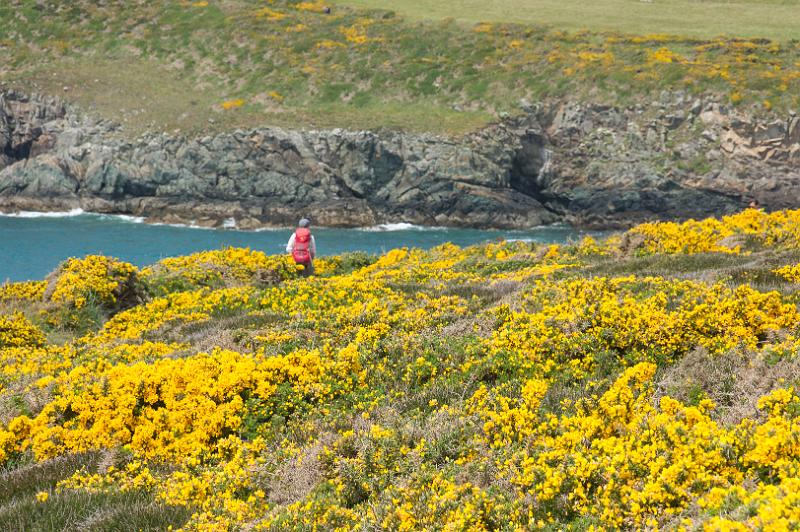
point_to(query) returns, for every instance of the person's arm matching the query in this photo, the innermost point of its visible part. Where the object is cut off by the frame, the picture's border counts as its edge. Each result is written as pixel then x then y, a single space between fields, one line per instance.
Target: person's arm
pixel 313 247
pixel 290 245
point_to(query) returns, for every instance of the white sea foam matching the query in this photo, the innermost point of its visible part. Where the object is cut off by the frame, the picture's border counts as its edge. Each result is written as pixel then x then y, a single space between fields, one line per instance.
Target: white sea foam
pixel 74 213
pixel 34 214
pixel 229 223
pixel 268 230
pixel 123 217
pixel 401 226
pixel 190 225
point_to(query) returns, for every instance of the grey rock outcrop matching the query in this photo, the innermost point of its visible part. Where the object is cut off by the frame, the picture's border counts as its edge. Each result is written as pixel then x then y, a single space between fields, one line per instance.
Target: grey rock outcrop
pixel 587 164
pixel 676 159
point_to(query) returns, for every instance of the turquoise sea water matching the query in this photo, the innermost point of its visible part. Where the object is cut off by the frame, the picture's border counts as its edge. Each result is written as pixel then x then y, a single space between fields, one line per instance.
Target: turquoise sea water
pixel 32 245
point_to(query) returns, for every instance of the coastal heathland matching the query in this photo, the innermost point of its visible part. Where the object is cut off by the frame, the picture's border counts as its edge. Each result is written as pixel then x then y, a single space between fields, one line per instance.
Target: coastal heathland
pixel 211 65
pixel 643 380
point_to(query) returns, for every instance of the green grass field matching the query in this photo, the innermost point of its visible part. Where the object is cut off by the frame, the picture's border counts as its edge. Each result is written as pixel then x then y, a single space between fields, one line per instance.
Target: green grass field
pixel 772 19
pixel 206 66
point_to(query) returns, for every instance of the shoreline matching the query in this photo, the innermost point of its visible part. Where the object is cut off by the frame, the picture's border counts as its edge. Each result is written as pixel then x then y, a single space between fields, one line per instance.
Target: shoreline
pixel 231 224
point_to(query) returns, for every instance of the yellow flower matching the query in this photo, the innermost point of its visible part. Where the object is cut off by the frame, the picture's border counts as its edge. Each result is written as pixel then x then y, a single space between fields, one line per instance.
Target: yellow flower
pixel 232 104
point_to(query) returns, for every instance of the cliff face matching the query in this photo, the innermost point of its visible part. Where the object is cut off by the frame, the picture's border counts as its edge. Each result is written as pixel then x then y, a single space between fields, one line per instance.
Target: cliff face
pixel 677 158
pixel 585 164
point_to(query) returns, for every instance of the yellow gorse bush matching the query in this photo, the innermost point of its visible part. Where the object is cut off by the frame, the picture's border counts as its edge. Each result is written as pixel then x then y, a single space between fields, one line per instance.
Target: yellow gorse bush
pixel 317 7
pixel 232 104
pixel 581 319
pixel 790 272
pixel 17 331
pixel 217 267
pixel 780 228
pixel 619 458
pixel 269 14
pixel 168 408
pixel 102 279
pixel 183 307
pixel 29 290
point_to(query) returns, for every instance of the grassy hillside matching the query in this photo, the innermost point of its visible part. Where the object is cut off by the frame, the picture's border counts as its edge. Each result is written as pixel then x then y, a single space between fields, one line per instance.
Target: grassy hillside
pixel 211 65
pixel 646 380
pixel 769 19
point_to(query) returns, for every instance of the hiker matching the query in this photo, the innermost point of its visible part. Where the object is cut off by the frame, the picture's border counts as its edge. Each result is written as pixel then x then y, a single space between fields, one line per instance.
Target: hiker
pixel 303 247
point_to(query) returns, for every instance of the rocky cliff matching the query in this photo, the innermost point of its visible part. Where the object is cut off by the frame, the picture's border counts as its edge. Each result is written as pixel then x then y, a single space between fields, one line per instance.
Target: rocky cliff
pixel 585 164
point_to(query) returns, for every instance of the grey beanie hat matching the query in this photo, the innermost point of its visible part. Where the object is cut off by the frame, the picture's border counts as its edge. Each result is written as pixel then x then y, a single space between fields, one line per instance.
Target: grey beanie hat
pixel 303 223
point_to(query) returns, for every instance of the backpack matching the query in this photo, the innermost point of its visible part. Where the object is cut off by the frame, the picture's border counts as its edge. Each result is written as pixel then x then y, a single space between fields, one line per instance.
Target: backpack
pixel 302 244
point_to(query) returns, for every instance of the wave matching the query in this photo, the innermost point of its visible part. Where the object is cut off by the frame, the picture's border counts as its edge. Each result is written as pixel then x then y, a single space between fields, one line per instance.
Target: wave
pixel 400 226
pixel 34 214
pixel 230 223
pixel 74 213
pixel 190 225
pixel 121 217
pixel 270 229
